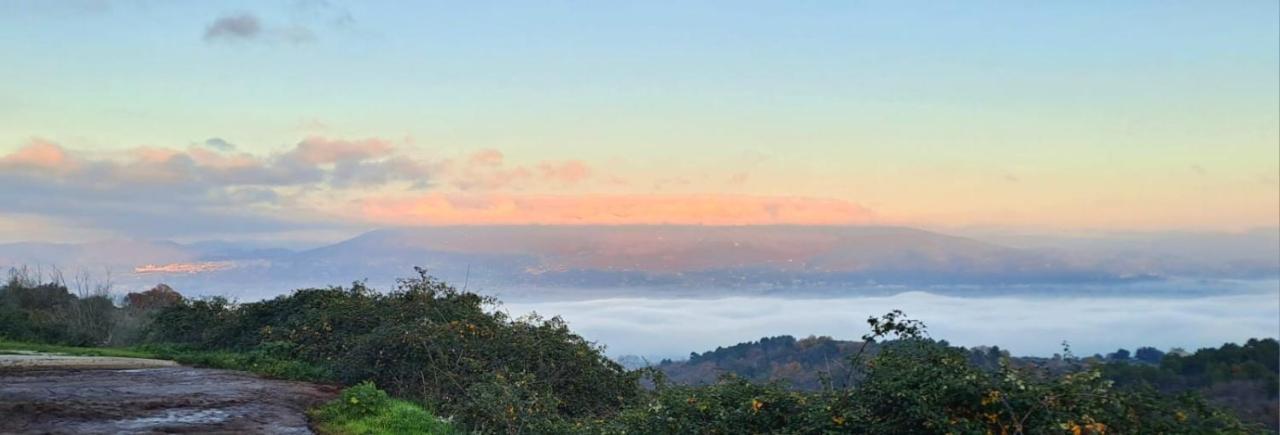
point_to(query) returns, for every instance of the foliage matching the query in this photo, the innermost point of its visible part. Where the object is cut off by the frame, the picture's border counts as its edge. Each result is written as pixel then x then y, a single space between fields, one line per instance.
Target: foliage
pixel 914 384
pixel 1149 355
pixel 730 406
pixel 159 296
pixel 48 312
pixel 425 341
pixel 364 409
pixel 1244 378
pixel 268 361
pixel 803 364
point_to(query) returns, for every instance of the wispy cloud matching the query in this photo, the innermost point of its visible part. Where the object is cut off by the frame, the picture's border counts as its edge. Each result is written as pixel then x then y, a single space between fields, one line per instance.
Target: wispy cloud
pixel 241 26
pixel 487 170
pixel 219 144
pixel 248 27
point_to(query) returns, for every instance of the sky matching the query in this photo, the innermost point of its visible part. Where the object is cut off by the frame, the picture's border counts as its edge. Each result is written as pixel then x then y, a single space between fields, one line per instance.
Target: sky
pixel 310 120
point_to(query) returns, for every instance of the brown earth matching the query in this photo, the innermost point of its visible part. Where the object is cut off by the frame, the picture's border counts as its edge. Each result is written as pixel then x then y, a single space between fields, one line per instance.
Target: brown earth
pixel 155 399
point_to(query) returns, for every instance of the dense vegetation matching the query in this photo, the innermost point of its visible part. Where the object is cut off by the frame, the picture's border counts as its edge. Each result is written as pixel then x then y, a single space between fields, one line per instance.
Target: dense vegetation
pixel 424 341
pixel 1241 378
pixel 48 312
pixel 439 351
pixel 804 364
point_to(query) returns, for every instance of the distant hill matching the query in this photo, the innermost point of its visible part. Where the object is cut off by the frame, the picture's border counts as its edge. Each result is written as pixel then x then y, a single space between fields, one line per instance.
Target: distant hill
pixel 515 259
pixel 800 363
pixel 693 255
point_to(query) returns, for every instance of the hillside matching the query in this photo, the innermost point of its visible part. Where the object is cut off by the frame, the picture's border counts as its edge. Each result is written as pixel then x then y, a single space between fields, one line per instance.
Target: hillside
pixel 1242 378
pixel 800 363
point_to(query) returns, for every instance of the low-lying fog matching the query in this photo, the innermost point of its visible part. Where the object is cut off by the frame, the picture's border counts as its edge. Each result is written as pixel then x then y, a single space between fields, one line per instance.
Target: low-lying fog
pixel 1023 324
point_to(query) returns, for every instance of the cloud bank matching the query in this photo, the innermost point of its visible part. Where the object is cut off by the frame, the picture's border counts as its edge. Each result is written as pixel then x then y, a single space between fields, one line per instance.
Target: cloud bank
pixel 207 188
pixel 1026 325
pixel 212 187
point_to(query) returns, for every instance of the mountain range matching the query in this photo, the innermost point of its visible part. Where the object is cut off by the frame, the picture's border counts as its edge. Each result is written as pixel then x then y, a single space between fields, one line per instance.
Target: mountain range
pixel 543 260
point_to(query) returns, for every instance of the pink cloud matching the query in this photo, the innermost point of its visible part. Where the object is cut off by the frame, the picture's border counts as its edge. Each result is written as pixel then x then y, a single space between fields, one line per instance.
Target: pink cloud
pixel 39 154
pixel 486 157
pixel 313 161
pixel 486 170
pixel 566 172
pixel 443 209
pixel 319 150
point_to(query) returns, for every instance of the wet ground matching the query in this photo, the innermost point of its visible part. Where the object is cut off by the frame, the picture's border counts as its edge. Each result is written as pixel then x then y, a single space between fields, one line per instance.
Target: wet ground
pixel 155 399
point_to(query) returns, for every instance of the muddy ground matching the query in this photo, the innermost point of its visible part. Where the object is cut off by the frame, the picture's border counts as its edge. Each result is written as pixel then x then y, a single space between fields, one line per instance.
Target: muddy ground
pixel 156 398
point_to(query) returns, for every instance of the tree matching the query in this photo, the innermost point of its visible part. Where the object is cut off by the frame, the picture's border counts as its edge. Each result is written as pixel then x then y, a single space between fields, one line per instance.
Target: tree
pixel 1149 354
pixel 159 296
pixel 1119 355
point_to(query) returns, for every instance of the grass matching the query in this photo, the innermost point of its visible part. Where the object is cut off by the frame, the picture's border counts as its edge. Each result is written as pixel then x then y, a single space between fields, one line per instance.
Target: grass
pixel 364 409
pixel 10 346
pixel 259 362
pixel 262 363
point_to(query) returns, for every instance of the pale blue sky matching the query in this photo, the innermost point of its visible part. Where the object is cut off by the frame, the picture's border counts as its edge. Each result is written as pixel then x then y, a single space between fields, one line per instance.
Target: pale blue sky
pixel 871 102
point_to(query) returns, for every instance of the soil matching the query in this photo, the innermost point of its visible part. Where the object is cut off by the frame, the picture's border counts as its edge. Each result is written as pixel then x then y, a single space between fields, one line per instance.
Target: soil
pixel 150 397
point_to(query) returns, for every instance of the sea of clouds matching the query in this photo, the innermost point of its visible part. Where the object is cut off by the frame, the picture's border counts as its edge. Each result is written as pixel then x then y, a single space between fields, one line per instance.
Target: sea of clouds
pixel 1025 325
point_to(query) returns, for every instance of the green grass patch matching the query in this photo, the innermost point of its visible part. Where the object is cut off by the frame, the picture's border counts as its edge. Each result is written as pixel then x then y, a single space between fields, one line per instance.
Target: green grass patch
pixel 364 409
pixel 11 346
pixel 262 362
pixel 256 361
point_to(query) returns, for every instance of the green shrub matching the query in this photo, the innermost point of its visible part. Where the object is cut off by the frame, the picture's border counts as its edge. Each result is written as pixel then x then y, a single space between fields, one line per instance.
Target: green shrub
pixel 362 400
pixel 424 341
pixel 364 409
pixel 916 385
pixel 265 361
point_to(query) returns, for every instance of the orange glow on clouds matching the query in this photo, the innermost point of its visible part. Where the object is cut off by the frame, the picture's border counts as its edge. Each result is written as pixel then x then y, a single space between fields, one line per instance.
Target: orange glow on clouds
pixel 621 209
pixel 40 154
pixel 321 150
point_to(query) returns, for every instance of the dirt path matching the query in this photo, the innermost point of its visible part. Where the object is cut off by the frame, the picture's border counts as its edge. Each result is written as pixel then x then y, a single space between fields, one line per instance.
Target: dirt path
pixel 156 399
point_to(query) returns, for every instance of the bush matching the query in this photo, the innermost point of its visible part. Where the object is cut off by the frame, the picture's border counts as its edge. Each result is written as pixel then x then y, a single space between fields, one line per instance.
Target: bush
pixel 364 409
pixel 916 385
pixel 362 400
pixel 269 361
pixel 424 341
